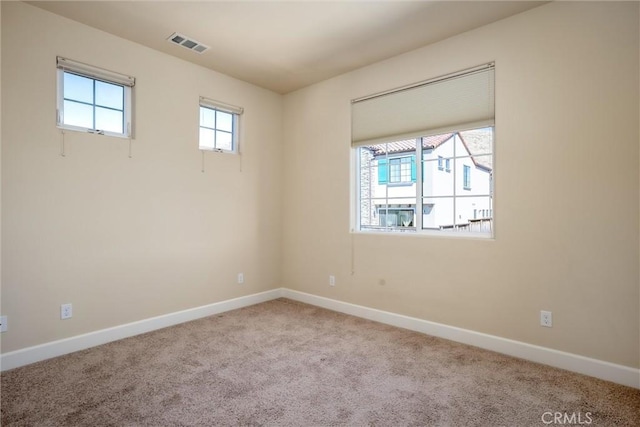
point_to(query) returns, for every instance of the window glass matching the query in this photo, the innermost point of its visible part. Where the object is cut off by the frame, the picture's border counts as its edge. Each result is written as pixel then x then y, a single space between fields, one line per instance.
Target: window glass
pixel 109 120
pixel 78 88
pixel 224 121
pixel 218 129
pixel 109 95
pixel 394 196
pixel 90 104
pixel 77 114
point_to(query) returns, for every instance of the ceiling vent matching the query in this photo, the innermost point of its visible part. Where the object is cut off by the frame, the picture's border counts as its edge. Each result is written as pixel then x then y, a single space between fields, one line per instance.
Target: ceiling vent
pixel 187 43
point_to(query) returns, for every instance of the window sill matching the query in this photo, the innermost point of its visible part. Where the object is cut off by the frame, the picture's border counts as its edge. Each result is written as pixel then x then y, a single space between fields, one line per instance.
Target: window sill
pixel 93 131
pixel 217 150
pixel 412 232
pixel 401 184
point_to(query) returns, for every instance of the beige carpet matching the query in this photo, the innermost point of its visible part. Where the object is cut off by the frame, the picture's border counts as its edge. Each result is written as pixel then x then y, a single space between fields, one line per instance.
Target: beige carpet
pixel 283 363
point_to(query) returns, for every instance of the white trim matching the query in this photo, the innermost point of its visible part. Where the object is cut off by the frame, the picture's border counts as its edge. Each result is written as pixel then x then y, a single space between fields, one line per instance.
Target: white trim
pixel 127 108
pixel 72 66
pixel 222 106
pixel 572 362
pixel 48 350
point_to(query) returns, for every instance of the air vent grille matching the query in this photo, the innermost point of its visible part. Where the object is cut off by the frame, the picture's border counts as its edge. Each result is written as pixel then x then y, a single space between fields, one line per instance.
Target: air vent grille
pixel 187 43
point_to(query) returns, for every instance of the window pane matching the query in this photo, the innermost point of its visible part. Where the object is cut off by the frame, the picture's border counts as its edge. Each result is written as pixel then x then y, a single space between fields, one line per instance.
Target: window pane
pixel 437 213
pixel 471 178
pixel 76 114
pixel 224 140
pixel 207 117
pixel 109 95
pixel 475 214
pixel 394 170
pixel 78 88
pixel 437 182
pixel 485 161
pixel 109 120
pixel 478 141
pixel 405 169
pixel 207 138
pixel 436 146
pixel 224 121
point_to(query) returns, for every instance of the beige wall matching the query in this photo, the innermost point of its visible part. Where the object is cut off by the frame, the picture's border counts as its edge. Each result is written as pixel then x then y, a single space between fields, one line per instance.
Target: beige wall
pixel 126 239
pixel 566 174
pixel 122 238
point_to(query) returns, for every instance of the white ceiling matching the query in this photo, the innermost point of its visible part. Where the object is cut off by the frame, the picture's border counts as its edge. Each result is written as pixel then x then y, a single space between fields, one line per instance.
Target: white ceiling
pixel 287 45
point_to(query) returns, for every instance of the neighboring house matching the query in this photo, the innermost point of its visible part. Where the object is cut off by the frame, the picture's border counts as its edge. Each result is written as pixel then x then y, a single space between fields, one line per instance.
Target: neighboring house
pixel 457 177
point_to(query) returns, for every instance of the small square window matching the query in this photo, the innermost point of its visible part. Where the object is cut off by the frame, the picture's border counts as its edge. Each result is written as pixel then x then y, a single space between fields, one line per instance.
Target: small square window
pixel 91 99
pixel 218 130
pixel 219 124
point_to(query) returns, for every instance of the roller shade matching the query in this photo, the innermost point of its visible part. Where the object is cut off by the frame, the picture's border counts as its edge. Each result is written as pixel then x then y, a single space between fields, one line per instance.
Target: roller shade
pixel 458 101
pixel 221 106
pixel 94 72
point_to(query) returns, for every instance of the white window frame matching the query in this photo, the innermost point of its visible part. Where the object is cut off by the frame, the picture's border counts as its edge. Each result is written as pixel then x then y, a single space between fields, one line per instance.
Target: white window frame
pixel 418 197
pixel 226 108
pixel 466 177
pixel 65 65
pixel 381 122
pixel 399 162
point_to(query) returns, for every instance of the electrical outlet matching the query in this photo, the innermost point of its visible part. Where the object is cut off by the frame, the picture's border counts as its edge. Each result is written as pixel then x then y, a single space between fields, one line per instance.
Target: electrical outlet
pixel 332 280
pixel 3 324
pixel 240 278
pixel 546 319
pixel 66 311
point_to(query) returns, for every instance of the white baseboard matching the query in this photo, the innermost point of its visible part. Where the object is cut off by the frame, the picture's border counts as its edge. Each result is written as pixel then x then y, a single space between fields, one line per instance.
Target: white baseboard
pixel 572 362
pixel 48 350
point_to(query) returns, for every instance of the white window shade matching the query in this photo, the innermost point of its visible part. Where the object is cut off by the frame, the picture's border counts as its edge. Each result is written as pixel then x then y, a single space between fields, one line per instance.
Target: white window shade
pixel 94 72
pixel 459 101
pixel 221 106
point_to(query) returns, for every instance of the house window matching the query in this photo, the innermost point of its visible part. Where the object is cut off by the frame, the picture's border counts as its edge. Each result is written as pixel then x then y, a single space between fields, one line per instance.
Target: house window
pixel 456 115
pixel 466 178
pixel 396 216
pixel 398 170
pixel 92 99
pixel 218 126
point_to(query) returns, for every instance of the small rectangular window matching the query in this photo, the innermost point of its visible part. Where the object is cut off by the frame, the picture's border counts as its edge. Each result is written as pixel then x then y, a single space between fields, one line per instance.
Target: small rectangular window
pixel 466 179
pixel 91 99
pixel 219 124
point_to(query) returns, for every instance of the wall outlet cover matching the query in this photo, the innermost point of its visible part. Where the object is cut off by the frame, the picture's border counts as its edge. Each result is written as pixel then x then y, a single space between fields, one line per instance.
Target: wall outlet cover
pixel 66 311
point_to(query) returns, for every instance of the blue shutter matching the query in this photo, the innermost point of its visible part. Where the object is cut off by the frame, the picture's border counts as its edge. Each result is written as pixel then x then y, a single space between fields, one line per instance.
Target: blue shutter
pixel 383 171
pixel 413 168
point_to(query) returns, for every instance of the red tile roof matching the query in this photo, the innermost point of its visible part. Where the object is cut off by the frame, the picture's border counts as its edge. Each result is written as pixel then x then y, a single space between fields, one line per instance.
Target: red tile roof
pixel 409 144
pixel 472 141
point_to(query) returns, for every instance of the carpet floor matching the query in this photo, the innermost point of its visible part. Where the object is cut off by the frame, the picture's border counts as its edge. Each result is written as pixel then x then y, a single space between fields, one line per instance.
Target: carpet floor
pixel 283 363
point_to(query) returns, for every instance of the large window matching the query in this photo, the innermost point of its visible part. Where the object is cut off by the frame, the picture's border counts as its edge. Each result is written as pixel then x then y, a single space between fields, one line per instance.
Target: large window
pixel 431 172
pixel 219 124
pixel 92 99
